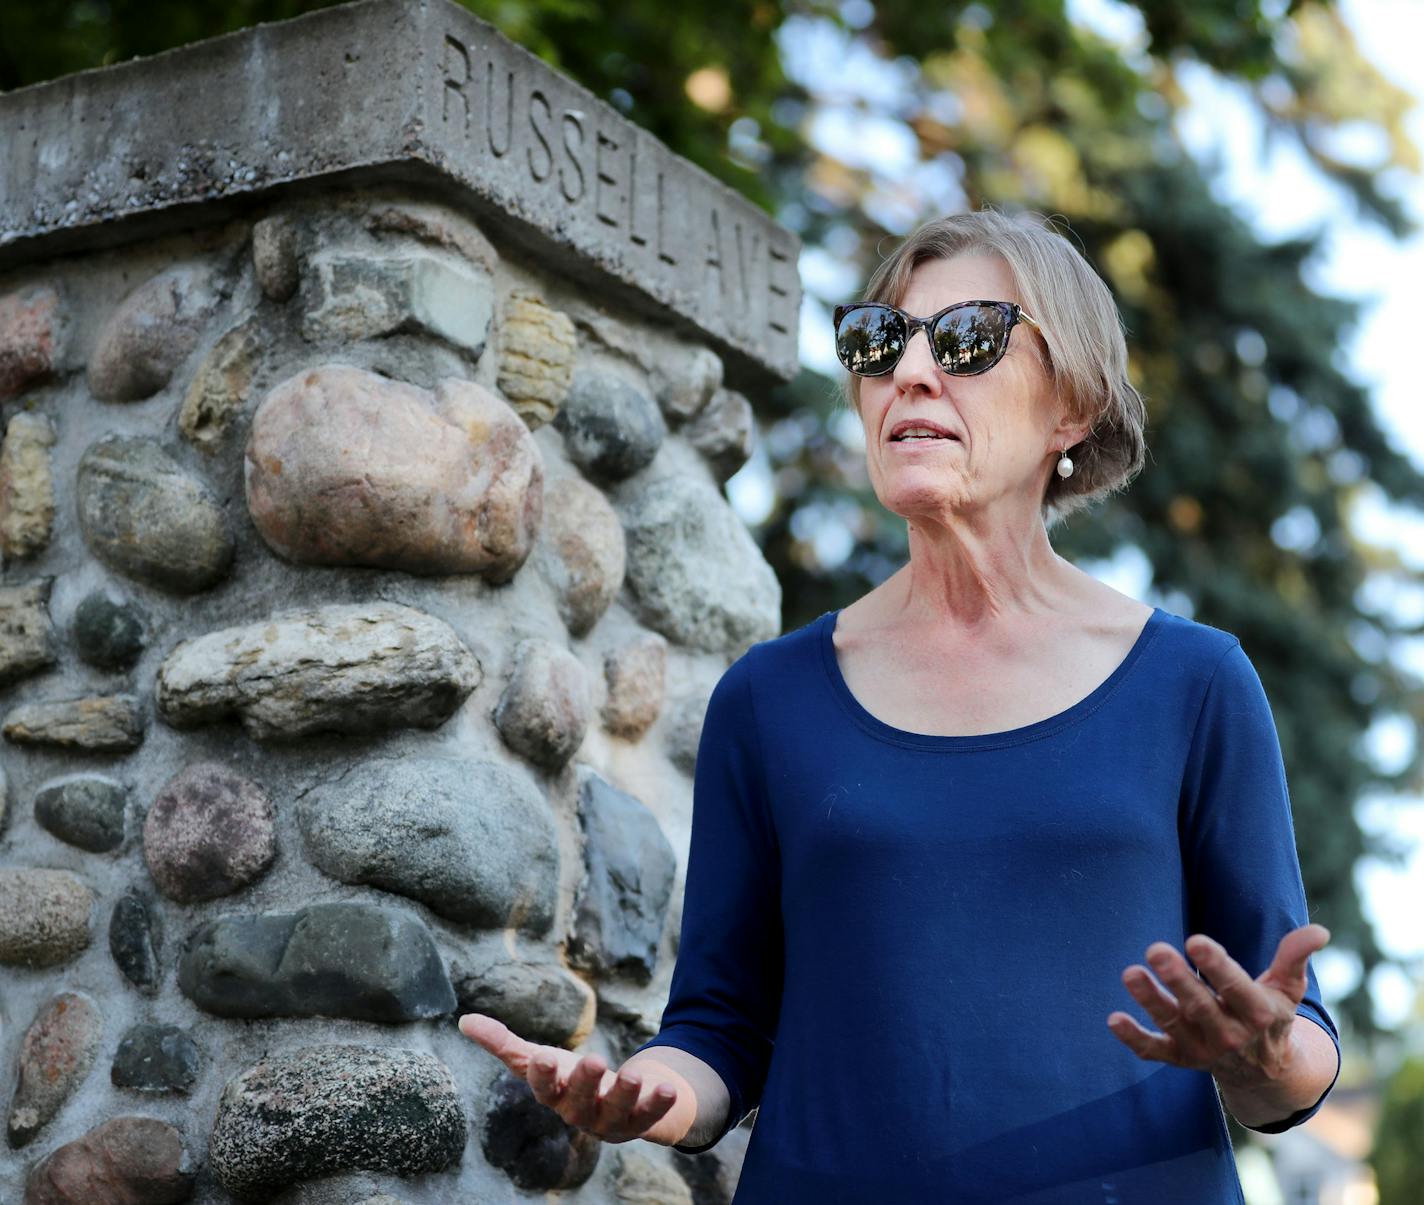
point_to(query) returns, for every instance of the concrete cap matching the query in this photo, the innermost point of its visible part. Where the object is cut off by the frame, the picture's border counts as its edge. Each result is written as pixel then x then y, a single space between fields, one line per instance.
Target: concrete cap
pixel 415 91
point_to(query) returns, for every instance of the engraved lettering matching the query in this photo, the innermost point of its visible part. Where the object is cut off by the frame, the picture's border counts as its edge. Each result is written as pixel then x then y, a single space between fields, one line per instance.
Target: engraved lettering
pixel 601 178
pixel 739 248
pixel 456 55
pixel 498 151
pixel 749 260
pixel 539 102
pixel 663 253
pixel 712 261
pixel 572 123
pixel 633 207
pixel 778 268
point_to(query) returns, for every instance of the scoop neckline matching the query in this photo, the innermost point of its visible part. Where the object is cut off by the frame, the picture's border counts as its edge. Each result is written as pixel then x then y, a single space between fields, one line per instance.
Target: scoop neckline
pixel 980 740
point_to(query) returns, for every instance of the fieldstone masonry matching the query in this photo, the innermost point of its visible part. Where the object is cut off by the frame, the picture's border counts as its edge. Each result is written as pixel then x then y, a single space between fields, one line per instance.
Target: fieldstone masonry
pixel 366 394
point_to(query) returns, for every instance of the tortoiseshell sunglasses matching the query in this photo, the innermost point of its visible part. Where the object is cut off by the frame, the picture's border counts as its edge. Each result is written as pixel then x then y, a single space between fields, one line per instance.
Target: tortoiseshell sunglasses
pixel 967 338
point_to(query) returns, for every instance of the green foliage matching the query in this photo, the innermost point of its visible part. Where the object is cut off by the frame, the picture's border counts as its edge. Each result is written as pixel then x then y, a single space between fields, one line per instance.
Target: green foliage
pixel 41 40
pixel 1399 1171
pixel 1251 418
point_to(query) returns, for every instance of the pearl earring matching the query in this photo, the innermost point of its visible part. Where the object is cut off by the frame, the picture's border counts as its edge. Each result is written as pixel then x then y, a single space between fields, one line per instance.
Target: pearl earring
pixel 1065 466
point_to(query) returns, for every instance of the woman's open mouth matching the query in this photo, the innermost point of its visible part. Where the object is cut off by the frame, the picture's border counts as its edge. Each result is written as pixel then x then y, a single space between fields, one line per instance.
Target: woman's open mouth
pixel 920 442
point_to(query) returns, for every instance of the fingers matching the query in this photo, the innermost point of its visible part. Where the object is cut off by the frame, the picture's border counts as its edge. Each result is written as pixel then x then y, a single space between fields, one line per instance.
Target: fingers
pixel 1159 1005
pixel 496 1037
pixel 623 1095
pixel 1287 970
pixel 617 1113
pixel 621 1104
pixel 1223 1014
pixel 1141 1042
pixel 1214 1029
pixel 1241 994
pixel 543 1077
pixel 579 1103
pixel 622 1111
pixel 651 1108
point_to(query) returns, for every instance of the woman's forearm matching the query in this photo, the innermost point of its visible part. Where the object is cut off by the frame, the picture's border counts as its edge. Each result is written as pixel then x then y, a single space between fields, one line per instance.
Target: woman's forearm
pixel 1310 1072
pixel 700 1110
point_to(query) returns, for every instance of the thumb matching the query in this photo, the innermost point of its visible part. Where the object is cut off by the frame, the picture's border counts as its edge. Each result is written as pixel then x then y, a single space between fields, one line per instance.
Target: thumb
pixel 1288 969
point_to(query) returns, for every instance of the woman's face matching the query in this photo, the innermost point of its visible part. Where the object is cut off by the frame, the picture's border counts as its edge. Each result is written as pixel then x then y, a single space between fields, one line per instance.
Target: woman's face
pixel 1006 418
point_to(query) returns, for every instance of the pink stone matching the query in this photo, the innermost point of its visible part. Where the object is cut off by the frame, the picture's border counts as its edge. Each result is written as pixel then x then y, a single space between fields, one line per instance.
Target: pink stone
pixel 29 338
pixel 545 708
pixel 56 1054
pixel 581 551
pixel 347 467
pixel 209 832
pixel 125 1161
pixel 634 675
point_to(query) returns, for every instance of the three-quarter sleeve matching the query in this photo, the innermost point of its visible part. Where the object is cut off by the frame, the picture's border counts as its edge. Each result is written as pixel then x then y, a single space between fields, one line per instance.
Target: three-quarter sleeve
pixel 725 995
pixel 1243 877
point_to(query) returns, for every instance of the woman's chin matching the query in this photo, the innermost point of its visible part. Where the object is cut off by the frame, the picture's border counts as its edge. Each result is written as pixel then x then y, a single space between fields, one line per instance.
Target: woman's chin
pixel 912 494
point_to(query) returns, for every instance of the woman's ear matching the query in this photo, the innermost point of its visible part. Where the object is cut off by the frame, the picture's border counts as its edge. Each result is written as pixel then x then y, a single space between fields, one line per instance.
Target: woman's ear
pixel 1069 434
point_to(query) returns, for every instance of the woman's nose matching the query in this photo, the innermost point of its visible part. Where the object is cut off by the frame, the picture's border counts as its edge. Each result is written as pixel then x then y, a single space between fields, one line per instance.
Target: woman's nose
pixel 917 364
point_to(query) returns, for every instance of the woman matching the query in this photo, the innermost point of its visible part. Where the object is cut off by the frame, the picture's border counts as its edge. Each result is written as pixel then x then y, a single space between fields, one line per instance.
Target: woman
pixel 940 836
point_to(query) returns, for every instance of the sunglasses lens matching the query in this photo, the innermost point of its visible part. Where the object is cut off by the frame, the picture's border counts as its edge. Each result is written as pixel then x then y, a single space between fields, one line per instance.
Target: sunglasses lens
pixel 869 339
pixel 970 339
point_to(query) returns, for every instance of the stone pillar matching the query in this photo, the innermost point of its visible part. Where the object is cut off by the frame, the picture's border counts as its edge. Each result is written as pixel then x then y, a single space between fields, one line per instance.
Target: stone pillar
pixel 367 390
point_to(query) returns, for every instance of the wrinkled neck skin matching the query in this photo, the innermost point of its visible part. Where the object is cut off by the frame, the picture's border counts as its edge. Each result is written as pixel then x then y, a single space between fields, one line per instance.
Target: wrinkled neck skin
pixel 976 570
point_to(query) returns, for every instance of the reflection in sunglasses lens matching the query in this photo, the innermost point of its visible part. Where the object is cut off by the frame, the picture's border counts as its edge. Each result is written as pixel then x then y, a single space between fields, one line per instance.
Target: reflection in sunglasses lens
pixel 967 340
pixel 870 339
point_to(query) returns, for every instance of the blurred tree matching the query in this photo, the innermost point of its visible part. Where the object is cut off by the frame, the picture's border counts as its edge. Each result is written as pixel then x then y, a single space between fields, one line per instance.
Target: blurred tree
pixel 853 121
pixel 1399 1172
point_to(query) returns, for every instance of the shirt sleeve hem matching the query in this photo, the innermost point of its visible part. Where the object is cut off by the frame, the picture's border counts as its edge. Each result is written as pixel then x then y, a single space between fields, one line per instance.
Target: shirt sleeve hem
pixel 1301 1115
pixel 714 1059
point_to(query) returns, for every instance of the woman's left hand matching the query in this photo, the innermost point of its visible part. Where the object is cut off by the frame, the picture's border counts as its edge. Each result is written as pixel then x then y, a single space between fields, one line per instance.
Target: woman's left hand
pixel 1225 1022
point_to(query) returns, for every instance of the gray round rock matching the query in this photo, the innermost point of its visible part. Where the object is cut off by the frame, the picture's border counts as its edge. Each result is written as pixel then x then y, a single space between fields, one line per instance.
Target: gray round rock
pixel 144 516
pixel 698 576
pixel 474 841
pixel 86 811
pixel 341 959
pixel 611 429
pixel 686 379
pixel 155 1058
pixel 723 432
pixel 109 631
pixel 323 1109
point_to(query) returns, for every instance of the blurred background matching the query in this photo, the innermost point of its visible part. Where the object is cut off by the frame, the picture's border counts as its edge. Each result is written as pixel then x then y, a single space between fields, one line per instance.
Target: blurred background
pixel 1246 175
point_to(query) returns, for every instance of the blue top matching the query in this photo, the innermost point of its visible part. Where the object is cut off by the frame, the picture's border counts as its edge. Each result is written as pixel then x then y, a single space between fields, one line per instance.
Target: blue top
pixel 904 947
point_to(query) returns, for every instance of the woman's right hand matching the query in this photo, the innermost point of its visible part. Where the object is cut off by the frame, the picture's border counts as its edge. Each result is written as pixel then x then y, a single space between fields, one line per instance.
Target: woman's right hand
pixel 616 1106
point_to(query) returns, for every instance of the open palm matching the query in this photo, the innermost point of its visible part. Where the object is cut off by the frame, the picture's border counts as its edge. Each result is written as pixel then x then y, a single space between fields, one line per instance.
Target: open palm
pixel 581 1089
pixel 1225 1022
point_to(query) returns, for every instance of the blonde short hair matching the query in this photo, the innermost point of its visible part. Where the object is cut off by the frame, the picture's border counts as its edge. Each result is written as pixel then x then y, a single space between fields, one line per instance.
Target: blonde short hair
pixel 1079 322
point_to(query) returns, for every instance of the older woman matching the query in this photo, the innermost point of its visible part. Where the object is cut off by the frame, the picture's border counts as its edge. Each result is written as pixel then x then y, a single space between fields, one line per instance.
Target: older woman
pixel 943 837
